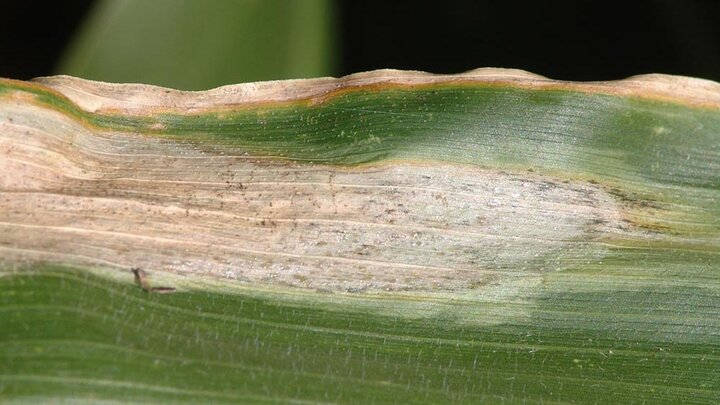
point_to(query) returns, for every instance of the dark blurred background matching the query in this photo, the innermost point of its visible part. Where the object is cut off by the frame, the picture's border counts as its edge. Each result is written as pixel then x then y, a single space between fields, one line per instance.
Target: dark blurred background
pixel 585 40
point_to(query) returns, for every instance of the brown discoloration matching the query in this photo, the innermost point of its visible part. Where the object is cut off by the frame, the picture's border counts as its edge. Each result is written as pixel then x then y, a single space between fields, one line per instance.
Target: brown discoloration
pixel 640 213
pixel 633 200
pixel 136 99
pixel 141 279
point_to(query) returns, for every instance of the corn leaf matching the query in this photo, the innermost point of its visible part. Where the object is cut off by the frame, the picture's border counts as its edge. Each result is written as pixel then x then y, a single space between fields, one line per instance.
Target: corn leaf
pixel 386 237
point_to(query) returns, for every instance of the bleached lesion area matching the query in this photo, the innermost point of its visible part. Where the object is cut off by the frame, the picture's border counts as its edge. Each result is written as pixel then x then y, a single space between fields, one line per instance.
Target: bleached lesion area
pixel 77 195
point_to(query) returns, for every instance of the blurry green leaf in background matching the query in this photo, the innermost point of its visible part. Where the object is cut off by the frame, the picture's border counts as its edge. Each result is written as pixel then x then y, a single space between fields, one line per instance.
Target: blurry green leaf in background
pixel 193 44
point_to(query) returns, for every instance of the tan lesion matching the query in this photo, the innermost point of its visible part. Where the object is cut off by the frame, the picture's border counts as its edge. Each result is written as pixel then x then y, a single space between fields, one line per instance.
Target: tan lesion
pixel 73 193
pixel 124 200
